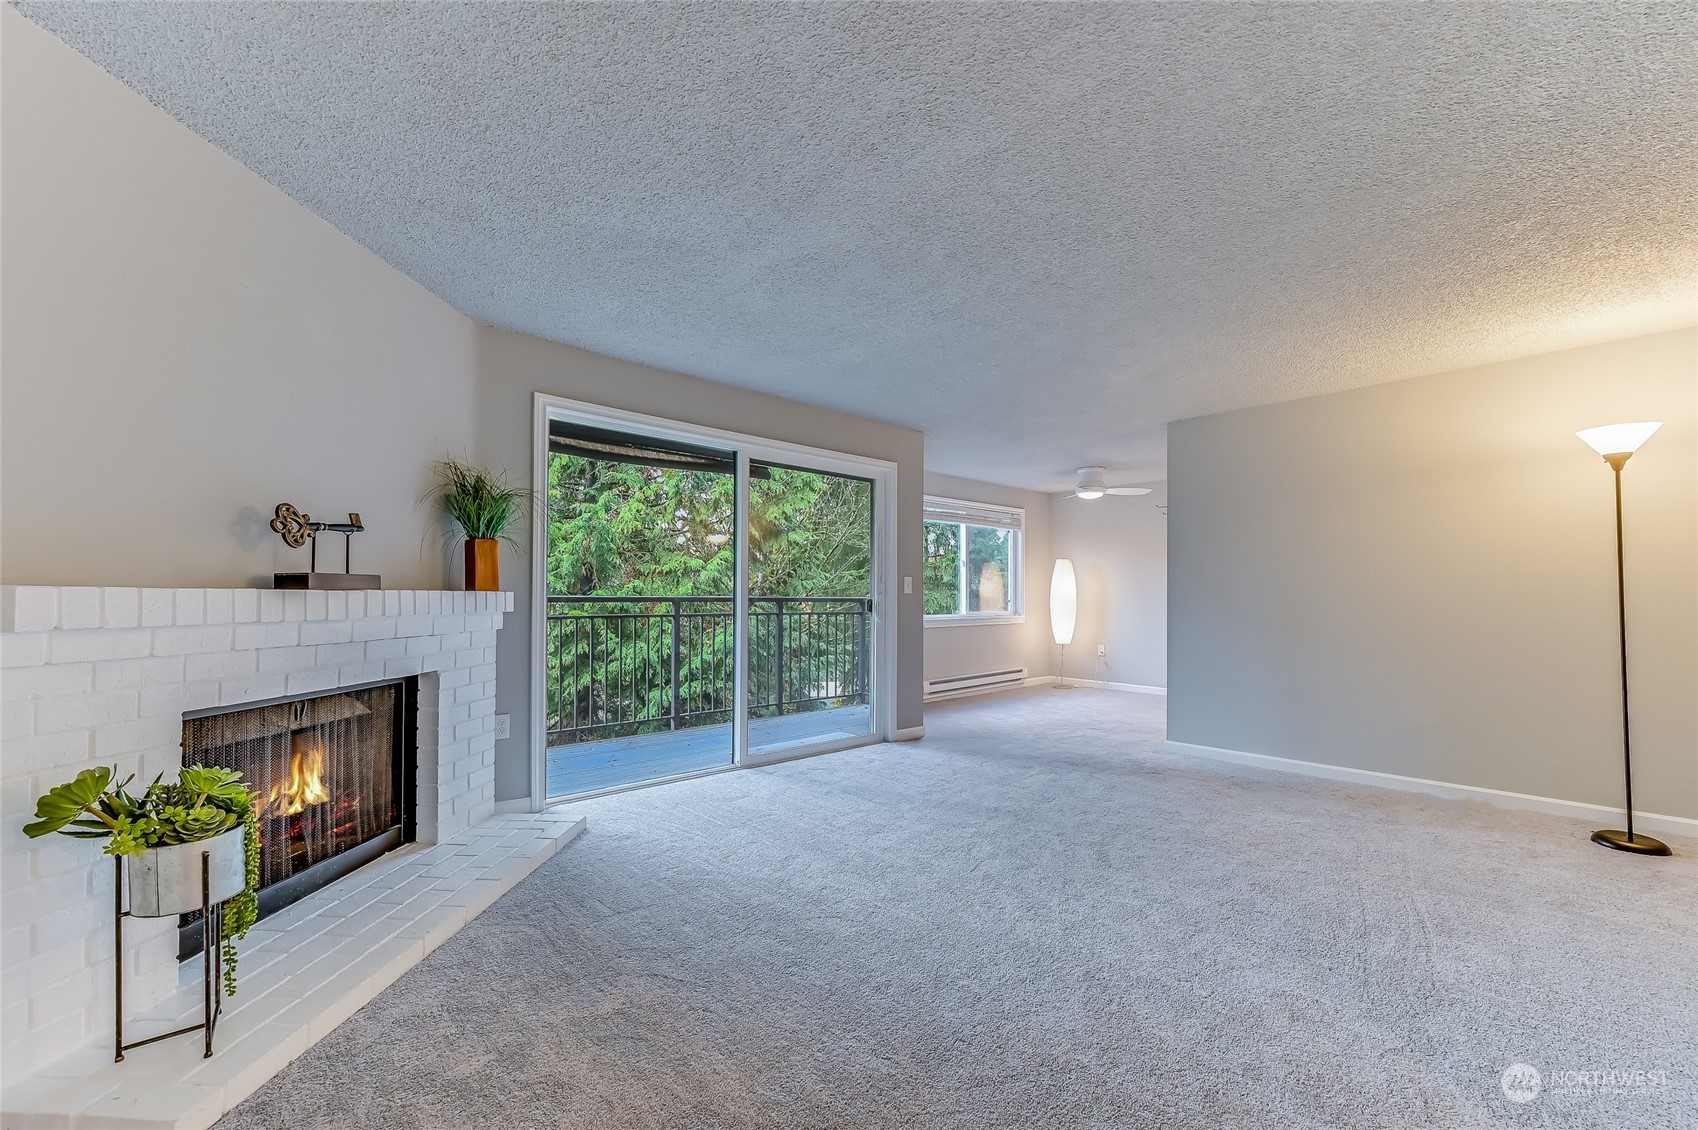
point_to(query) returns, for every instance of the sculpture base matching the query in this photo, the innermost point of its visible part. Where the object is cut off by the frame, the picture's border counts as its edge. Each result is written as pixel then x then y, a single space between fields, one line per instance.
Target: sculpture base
pixel 327 581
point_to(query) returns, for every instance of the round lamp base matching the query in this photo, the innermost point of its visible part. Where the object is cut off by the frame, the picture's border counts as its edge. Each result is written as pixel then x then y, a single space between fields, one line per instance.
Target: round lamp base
pixel 1643 845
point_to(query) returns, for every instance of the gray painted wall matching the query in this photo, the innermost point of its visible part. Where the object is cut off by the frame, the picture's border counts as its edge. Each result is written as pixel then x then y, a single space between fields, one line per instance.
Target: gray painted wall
pixel 1119 550
pixel 184 347
pixel 512 368
pixel 960 649
pixel 1418 578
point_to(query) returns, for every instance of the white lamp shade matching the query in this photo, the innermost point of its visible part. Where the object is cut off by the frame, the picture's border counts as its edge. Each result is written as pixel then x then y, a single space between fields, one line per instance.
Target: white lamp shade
pixel 1618 439
pixel 1063 602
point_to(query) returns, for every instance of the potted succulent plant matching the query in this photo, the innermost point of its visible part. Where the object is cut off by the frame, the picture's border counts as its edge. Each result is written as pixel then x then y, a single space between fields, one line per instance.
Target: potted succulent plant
pixel 164 831
pixel 484 506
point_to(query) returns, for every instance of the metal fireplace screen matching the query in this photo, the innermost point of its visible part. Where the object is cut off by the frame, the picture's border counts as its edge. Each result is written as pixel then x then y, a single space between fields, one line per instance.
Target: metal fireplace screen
pixel 331 773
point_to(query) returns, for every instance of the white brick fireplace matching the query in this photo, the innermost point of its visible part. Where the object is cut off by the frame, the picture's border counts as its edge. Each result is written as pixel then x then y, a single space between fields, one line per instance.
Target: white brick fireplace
pixel 103 676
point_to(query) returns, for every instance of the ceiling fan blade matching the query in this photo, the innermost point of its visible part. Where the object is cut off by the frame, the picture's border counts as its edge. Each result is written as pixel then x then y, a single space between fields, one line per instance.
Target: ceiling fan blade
pixel 1064 494
pixel 1129 490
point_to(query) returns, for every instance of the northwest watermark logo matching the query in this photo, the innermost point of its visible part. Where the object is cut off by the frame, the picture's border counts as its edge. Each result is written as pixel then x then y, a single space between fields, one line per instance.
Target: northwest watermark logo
pixel 1522 1083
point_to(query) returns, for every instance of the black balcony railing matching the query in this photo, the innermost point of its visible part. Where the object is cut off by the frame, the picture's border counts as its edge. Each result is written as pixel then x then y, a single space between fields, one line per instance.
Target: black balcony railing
pixel 620 665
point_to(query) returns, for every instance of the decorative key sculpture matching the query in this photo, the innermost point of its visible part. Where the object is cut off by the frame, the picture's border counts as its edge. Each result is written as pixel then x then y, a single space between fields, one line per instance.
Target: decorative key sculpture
pixel 298 529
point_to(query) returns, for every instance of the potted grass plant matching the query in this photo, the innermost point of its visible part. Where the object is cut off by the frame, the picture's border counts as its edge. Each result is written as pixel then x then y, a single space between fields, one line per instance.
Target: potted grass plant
pixel 484 506
pixel 164 830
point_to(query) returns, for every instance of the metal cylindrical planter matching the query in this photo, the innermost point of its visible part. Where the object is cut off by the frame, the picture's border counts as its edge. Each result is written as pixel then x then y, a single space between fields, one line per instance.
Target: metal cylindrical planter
pixel 167 880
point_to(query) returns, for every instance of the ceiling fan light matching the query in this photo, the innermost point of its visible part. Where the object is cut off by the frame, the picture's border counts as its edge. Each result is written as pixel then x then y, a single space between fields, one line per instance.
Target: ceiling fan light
pixel 1090 484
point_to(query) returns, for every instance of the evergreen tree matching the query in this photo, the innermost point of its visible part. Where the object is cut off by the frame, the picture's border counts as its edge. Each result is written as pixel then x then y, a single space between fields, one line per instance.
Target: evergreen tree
pixel 650 534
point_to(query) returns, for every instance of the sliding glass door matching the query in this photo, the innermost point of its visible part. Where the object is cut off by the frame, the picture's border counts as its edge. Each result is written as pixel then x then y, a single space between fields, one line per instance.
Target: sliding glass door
pixel 705 606
pixel 811 567
pixel 641 626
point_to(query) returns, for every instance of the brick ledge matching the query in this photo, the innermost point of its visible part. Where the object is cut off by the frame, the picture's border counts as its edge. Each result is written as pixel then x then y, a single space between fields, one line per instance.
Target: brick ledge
pixel 46 608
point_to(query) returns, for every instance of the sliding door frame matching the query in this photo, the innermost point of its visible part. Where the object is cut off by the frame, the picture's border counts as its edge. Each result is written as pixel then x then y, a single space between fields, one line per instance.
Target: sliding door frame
pixel 748 448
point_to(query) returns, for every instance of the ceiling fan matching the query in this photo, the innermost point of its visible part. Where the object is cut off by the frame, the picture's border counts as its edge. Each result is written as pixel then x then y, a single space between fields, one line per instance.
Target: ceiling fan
pixel 1091 485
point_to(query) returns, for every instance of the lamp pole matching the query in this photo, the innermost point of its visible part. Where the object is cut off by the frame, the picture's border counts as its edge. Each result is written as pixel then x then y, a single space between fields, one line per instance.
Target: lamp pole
pixel 1617 462
pixel 1610 837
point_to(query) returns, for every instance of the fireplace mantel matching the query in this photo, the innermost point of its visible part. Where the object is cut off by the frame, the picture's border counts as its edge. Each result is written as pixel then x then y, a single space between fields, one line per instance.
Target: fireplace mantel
pixel 103 676
pixel 46 608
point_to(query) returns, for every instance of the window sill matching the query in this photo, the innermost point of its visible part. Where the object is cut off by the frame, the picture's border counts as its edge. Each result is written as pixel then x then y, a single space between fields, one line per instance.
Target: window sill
pixel 956 621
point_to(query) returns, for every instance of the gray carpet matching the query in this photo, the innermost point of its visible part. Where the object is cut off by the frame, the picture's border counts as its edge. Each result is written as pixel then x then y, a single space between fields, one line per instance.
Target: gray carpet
pixel 1036 918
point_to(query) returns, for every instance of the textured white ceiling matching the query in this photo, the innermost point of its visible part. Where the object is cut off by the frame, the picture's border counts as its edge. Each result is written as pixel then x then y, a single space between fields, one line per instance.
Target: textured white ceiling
pixel 1036 231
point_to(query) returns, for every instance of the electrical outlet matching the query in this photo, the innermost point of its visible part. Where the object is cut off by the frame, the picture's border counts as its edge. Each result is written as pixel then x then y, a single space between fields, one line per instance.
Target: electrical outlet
pixel 503 726
pixel 1102 649
pixel 908 586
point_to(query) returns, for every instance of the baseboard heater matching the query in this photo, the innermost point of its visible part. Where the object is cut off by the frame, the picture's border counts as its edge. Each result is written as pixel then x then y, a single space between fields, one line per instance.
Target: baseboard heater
pixel 980 682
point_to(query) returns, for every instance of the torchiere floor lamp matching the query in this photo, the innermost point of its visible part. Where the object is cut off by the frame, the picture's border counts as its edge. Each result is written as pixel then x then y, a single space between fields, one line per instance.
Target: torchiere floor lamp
pixel 1617 443
pixel 1063 609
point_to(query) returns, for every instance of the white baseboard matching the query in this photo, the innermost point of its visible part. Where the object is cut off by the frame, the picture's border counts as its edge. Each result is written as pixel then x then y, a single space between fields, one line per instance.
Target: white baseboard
pixel 911 734
pixel 1525 802
pixel 1101 685
pixel 522 804
pixel 1092 683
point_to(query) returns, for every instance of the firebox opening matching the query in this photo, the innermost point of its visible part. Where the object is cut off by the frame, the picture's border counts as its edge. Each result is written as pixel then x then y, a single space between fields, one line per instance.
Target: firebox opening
pixel 334 773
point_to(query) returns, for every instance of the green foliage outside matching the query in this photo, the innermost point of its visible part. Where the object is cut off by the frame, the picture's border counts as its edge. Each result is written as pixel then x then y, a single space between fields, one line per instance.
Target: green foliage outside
pixel 989 571
pixel 623 530
pixel 990 574
pixel 942 580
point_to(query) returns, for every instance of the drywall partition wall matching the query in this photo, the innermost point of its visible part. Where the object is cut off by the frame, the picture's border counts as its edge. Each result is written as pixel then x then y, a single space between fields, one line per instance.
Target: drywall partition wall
pixel 1118 546
pixel 185 347
pixel 961 649
pixel 1419 578
pixel 512 368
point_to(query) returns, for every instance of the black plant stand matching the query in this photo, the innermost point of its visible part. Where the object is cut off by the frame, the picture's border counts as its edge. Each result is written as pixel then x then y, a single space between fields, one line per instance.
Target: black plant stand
pixel 212 955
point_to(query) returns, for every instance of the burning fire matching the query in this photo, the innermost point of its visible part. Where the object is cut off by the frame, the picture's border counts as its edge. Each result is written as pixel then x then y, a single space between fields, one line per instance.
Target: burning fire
pixel 305 784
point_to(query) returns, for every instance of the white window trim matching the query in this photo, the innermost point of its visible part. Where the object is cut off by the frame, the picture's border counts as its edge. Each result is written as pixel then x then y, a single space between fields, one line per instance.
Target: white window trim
pixel 956 511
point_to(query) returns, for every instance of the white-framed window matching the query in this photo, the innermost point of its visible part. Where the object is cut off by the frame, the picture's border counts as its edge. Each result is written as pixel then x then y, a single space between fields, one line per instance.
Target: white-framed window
pixel 975 568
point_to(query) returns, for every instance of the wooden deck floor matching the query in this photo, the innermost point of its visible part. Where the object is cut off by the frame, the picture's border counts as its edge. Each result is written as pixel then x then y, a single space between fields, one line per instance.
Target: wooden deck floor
pixel 609 764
